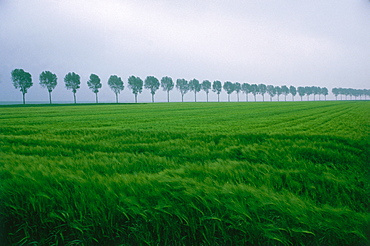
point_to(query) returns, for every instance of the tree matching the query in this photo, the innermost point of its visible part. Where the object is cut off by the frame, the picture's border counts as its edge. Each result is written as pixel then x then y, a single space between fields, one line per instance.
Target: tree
pixel 72 81
pixel 271 91
pixel 246 89
pixel 167 85
pixel 237 89
pixel 94 85
pixel 22 80
pixel 116 85
pixel 315 90
pixel 152 84
pixel 254 90
pixel 301 92
pixel 278 92
pixel 136 85
pixel 262 90
pixel 324 91
pixel 285 91
pixel 335 91
pixel 195 86
pixel 206 86
pixel 183 86
pixel 293 91
pixel 217 87
pixel 308 91
pixel 229 88
pixel 48 80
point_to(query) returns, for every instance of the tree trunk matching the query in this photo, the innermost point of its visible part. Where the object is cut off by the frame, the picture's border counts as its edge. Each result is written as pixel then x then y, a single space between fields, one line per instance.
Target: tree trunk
pixel 285 97
pixel 228 97
pixel 135 98
pixel 96 97
pixel 218 97
pixel 246 97
pixel 292 98
pixel 195 96
pixel 152 98
pixel 255 98
pixel 182 97
pixel 74 97
pixel 50 97
pixel 168 96
pixel 116 97
pixel 24 97
pixel 207 96
pixel 263 97
pixel 237 94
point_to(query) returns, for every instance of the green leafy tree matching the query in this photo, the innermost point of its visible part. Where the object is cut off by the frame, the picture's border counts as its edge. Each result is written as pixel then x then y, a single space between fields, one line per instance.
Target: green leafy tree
pixel 278 92
pixel 116 85
pixel 152 84
pixel 237 89
pixel 262 89
pixel 285 91
pixel 48 80
pixel 301 92
pixel 94 85
pixel 246 89
pixel 217 87
pixel 195 86
pixel 183 86
pixel 229 88
pixel 293 91
pixel 308 91
pixel 254 91
pixel 72 81
pixel 324 91
pixel 22 80
pixel 167 85
pixel 271 91
pixel 136 85
pixel 206 86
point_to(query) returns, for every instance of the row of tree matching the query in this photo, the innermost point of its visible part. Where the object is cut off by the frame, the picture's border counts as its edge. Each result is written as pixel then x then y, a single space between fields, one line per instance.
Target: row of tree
pixel 350 92
pixel 48 80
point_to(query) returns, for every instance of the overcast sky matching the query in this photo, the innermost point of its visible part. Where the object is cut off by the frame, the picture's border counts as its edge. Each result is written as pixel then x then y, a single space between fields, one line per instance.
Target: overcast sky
pixel 319 42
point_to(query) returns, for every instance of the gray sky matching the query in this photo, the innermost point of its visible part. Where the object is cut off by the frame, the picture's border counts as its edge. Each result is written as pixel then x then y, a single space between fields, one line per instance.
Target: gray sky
pixel 300 43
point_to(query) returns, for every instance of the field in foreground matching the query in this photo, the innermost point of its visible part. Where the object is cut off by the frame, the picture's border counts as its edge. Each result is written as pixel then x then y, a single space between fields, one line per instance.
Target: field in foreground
pixel 290 173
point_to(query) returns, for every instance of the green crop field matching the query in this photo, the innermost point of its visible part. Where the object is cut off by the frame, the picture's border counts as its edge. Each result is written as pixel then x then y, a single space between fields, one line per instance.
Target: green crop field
pixel 288 173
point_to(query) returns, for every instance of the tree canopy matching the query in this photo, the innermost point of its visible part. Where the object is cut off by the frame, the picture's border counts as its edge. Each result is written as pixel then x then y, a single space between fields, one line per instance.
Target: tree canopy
pixel 183 86
pixel 94 85
pixel 116 85
pixel 48 80
pixel 22 80
pixel 206 86
pixel 72 81
pixel 167 85
pixel 152 84
pixel 136 85
pixel 195 86
pixel 229 88
pixel 217 87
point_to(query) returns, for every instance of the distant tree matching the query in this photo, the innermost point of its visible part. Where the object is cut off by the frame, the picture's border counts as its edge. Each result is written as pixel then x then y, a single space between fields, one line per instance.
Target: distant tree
pixel 116 85
pixel 48 80
pixel 237 89
pixel 72 81
pixel 308 91
pixel 167 85
pixel 206 86
pixel 217 87
pixel 324 91
pixel 279 91
pixel 335 91
pixel 152 84
pixel 254 90
pixel 94 85
pixel 246 89
pixel 271 91
pixel 262 89
pixel 22 80
pixel 195 86
pixel 183 86
pixel 285 91
pixel 315 91
pixel 301 92
pixel 136 85
pixel 293 91
pixel 229 88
